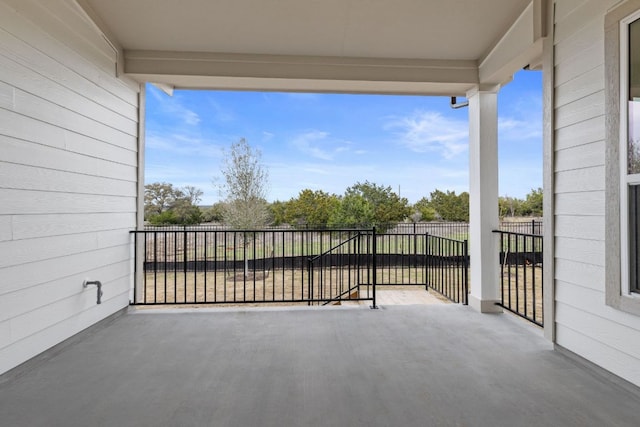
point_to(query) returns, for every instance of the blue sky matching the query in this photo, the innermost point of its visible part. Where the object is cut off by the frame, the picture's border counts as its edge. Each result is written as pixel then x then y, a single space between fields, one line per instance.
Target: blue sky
pixel 330 141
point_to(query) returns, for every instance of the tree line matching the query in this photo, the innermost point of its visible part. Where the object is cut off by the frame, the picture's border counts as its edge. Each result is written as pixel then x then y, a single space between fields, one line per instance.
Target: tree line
pixel 243 202
pixel 363 204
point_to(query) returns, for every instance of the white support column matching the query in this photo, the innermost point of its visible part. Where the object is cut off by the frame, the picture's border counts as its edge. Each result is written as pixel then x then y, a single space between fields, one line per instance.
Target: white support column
pixel 139 248
pixel 483 199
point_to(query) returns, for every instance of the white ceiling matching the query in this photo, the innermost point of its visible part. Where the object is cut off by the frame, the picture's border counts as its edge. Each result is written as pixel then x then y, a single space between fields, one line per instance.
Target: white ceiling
pixel 425 29
pixel 385 30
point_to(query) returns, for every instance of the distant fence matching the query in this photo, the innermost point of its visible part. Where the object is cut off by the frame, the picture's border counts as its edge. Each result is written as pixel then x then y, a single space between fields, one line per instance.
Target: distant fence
pixel 452 230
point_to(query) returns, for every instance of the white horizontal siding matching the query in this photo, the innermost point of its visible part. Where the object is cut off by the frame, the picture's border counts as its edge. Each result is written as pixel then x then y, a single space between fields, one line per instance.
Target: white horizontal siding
pixel 36 84
pixel 581 86
pixel 21 177
pixel 580 227
pixel 580 273
pixel 36 273
pixel 581 110
pixel 587 37
pixel 583 13
pixel 26 300
pixel 580 65
pixel 565 7
pixel 581 179
pixel 32 154
pixel 40 109
pixel 16 202
pixel 619 363
pixel 68 31
pixel 14 354
pixel 37 226
pixel 68 176
pixel 618 337
pixel 579 134
pixel 17 126
pixel 65 52
pixel 12 48
pixel 581 156
pixel 580 250
pixel 584 323
pixel 6 228
pixel 581 297
pixel 580 204
pixel 33 321
pixel 16 252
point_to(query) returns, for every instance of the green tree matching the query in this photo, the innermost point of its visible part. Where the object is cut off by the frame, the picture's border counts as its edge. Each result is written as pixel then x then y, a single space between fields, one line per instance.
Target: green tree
pixel 186 207
pixel 450 206
pixel 311 208
pixel 532 204
pixel 427 212
pixel 353 211
pixel 367 204
pixel 164 218
pixel 215 213
pixel 244 190
pixel 509 206
pixel 158 198
pixel 186 213
pixel 277 210
pixel 166 204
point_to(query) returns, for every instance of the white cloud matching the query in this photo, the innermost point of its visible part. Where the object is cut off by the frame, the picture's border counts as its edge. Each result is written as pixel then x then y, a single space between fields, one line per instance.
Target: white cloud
pixel 267 136
pixel 181 113
pixel 319 145
pixel 184 145
pixel 519 129
pixel 428 131
pixel 171 105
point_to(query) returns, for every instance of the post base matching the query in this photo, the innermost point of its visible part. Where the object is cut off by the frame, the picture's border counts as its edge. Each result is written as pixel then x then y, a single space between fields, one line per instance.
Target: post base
pixel 484 306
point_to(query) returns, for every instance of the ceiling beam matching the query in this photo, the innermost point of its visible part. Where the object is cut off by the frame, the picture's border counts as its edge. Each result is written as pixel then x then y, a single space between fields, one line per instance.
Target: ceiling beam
pixel 519 47
pixel 301 73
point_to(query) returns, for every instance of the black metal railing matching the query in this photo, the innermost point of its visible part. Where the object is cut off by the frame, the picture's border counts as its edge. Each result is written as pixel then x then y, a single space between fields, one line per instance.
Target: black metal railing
pixel 196 266
pixel 344 272
pixel 401 259
pixel 521 274
pixel 447 267
pixel 221 267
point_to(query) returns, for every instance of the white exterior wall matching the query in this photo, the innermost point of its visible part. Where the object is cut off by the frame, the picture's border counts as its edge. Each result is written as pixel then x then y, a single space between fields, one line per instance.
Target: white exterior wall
pixel 584 324
pixel 68 176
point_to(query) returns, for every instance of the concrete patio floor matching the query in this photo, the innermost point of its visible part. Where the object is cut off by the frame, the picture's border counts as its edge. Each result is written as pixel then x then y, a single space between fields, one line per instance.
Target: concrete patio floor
pixel 404 365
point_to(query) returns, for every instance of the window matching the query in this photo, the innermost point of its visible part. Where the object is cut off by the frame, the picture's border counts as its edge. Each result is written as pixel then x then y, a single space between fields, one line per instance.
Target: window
pixel 630 151
pixel 622 118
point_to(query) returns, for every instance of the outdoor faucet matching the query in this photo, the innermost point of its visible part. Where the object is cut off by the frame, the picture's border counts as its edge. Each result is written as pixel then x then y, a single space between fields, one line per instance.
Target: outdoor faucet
pixel 94 282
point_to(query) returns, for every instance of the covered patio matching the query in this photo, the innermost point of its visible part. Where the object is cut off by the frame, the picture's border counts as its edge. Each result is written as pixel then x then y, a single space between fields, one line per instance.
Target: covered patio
pixel 72 135
pixel 403 365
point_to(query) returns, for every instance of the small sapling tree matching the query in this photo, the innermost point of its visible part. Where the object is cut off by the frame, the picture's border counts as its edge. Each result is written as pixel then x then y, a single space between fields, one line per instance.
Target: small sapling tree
pixel 244 190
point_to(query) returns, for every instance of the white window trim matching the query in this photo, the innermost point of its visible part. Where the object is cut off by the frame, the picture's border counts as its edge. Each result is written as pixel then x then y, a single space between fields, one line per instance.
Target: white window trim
pixel 625 178
pixel 617 287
